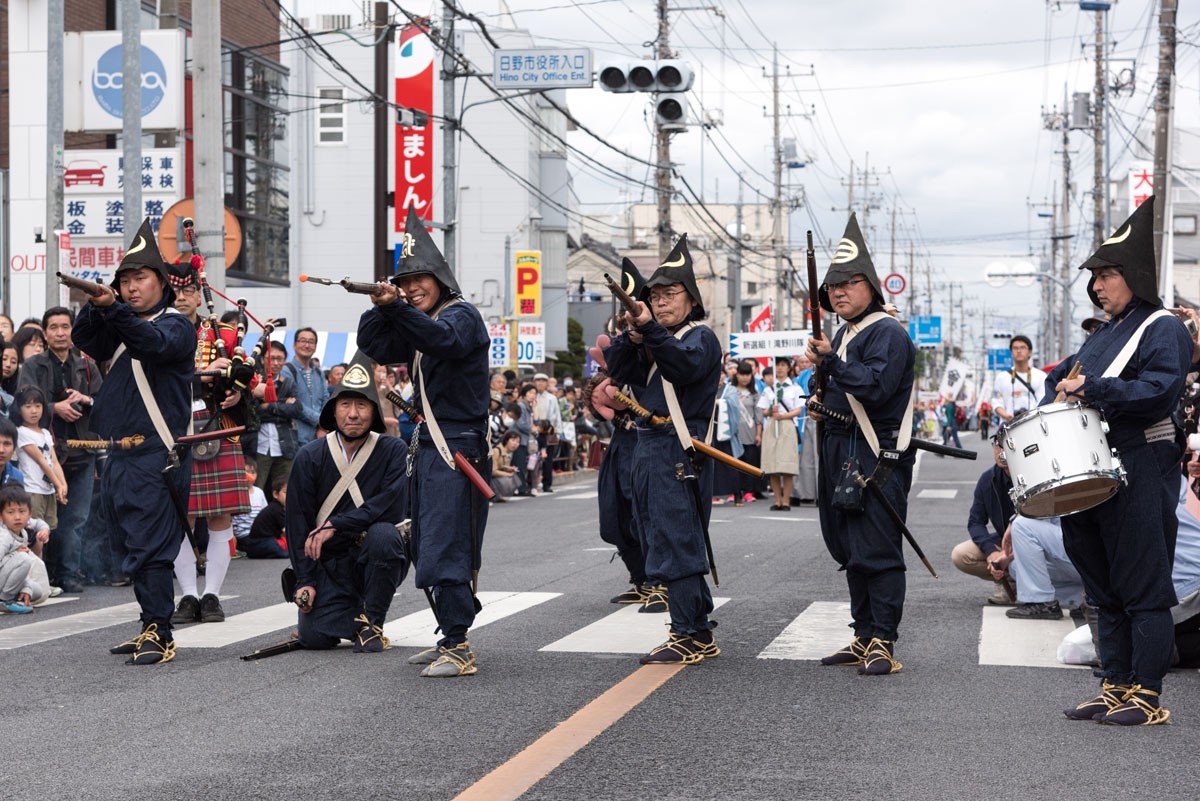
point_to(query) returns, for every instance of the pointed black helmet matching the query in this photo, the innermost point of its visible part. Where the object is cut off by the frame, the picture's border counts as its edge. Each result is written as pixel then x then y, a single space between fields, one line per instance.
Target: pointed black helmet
pixel 677 269
pixel 418 255
pixel 1131 250
pixel 358 381
pixel 850 259
pixel 631 279
pixel 142 252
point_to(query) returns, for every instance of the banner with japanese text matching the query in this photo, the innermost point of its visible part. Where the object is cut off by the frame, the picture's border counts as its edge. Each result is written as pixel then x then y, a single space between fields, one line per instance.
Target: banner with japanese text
pixel 414 146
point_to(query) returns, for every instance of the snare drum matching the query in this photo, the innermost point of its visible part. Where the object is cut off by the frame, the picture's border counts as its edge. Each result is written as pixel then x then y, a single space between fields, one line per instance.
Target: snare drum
pixel 1059 460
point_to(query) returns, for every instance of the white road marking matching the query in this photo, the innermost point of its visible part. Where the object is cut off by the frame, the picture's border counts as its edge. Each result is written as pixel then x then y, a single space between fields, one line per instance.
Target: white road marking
pixel 917 466
pixel 67 625
pixel 62 599
pixel 1021 643
pixel 938 494
pixel 972 482
pixel 783 519
pixel 605 548
pixel 626 631
pixel 416 630
pixel 576 496
pixel 236 628
pixel 818 631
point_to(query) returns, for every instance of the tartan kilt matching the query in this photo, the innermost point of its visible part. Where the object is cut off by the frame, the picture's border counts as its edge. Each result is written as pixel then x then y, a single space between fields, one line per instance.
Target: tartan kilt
pixel 219 485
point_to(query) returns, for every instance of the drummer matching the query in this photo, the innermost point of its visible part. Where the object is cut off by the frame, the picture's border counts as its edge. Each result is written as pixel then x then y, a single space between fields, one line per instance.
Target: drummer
pixel 1023 386
pixel 1123 548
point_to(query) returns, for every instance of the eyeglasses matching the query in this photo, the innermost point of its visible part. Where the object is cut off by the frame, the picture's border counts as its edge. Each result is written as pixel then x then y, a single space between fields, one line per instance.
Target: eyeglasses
pixel 845 285
pixel 306 341
pixel 665 296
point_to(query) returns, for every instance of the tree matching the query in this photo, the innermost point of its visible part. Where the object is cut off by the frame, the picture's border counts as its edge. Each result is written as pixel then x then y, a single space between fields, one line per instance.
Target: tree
pixel 570 361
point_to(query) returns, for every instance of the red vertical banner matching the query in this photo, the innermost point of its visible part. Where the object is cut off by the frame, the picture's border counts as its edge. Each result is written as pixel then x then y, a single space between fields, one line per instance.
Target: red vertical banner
pixel 414 146
pixel 760 324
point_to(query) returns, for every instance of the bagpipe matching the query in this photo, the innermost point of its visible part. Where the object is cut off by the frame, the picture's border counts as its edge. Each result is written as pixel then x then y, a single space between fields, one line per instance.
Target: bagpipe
pixel 216 340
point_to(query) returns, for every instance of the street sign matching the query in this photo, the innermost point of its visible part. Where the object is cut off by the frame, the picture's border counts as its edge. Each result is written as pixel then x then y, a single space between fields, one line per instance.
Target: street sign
pixel 1000 359
pixel 925 329
pixel 528 266
pixel 498 352
pixel 543 68
pixel 894 284
pixel 768 343
pixel 531 343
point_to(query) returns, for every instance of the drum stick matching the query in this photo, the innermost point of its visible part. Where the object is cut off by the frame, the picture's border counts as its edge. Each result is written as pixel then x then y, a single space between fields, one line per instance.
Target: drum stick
pixel 1061 396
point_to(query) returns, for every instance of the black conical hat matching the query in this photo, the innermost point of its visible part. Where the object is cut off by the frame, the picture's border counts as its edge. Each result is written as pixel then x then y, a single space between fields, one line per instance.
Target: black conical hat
pixel 142 252
pixel 677 269
pixel 850 259
pixel 631 279
pixel 358 381
pixel 418 255
pixel 1130 249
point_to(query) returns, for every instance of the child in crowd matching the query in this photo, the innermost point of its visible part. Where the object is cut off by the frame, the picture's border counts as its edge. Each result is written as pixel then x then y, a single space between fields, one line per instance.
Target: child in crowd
pixel 258 501
pixel 44 478
pixel 266 540
pixel 8 445
pixel 504 476
pixel 23 579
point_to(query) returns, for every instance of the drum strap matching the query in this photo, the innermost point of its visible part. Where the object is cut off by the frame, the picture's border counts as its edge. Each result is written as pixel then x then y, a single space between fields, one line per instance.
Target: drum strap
pixel 1118 364
pixel 860 413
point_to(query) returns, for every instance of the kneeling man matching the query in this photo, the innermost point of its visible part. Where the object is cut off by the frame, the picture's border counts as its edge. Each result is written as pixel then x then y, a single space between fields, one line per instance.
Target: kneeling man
pixel 346 495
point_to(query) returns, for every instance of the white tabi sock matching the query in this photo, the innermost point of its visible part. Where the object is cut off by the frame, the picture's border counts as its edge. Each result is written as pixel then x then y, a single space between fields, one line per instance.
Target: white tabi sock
pixel 218 560
pixel 185 569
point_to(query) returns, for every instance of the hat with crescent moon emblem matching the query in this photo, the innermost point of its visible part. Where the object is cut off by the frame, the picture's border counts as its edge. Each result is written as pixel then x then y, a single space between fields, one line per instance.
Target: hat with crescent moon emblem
pixel 850 258
pixel 418 254
pixel 142 253
pixel 1131 250
pixel 676 269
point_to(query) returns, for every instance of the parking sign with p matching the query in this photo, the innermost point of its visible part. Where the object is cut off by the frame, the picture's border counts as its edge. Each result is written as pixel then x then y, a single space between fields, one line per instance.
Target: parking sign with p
pixel 528 266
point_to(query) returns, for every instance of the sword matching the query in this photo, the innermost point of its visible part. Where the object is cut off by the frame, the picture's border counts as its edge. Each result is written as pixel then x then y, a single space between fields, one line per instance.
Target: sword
pixel 682 474
pixel 918 444
pixel 883 470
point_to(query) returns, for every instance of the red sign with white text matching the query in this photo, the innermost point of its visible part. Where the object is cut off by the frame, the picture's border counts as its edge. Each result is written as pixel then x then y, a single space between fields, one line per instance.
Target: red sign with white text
pixel 414 146
pixel 758 325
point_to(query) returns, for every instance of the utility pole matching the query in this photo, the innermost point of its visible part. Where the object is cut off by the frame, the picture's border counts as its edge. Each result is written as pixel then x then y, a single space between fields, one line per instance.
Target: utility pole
pixel 1162 150
pixel 1064 309
pixel 777 203
pixel 662 171
pixel 208 157
pixel 54 143
pixel 131 113
pixel 449 125
pixel 892 298
pixel 737 264
pixel 1099 120
pixel 1051 324
pixel 382 112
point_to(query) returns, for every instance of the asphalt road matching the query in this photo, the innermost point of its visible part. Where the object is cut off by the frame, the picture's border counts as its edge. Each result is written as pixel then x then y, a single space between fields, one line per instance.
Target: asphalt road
pixel 79 724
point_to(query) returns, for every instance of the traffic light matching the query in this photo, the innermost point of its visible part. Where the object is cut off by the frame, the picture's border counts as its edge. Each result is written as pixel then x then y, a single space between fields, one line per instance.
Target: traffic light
pixel 668 78
pixel 666 75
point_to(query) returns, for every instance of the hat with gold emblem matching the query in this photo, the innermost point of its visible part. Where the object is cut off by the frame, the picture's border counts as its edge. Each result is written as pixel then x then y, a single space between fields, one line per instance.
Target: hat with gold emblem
pixel 677 269
pixel 1131 250
pixel 358 381
pixel 142 253
pixel 418 254
pixel 850 259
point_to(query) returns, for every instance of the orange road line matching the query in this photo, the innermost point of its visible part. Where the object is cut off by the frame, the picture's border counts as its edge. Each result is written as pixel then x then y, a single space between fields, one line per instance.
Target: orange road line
pixel 512 779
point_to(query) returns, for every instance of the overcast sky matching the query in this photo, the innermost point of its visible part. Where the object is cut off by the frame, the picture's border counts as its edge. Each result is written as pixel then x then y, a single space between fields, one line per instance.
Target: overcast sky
pixel 945 96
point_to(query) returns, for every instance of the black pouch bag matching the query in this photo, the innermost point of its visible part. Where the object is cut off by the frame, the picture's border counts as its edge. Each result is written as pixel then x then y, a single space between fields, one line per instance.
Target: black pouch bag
pixel 848 495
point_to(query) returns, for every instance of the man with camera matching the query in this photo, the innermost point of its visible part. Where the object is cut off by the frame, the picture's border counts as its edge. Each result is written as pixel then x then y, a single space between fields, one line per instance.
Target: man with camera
pixel 70 380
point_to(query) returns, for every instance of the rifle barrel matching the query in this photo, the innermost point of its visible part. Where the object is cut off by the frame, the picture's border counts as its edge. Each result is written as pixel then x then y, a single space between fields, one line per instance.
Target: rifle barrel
pixel 88 287
pixel 620 294
pixel 355 287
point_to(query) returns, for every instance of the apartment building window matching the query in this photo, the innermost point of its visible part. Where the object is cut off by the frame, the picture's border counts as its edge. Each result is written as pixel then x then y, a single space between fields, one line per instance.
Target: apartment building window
pixel 256 159
pixel 331 116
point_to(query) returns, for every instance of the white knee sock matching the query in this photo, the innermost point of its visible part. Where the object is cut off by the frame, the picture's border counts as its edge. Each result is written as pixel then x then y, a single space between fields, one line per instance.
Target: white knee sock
pixel 185 569
pixel 218 560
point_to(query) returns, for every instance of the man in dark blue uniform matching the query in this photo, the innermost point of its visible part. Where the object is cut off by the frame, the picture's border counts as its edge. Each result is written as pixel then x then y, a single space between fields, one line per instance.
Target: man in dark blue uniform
pixel 148 391
pixel 346 494
pixel 678 361
pixel 428 324
pixel 1133 369
pixel 869 362
pixel 615 492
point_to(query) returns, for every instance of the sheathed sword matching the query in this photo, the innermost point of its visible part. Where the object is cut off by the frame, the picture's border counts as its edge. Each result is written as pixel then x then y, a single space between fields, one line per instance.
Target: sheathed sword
pixel 683 474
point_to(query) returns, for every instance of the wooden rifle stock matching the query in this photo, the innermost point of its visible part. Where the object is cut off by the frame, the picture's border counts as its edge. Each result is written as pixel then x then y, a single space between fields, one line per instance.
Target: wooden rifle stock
pixel 354 287
pixel 621 295
pixel 461 461
pixel 88 287
pixel 700 445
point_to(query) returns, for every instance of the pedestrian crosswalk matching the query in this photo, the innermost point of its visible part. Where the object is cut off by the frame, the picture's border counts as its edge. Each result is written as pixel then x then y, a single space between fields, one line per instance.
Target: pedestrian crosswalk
pixel 819 629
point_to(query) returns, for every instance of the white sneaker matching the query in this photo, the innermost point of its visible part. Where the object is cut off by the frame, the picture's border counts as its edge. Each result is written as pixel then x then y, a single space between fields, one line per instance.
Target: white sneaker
pixel 55 591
